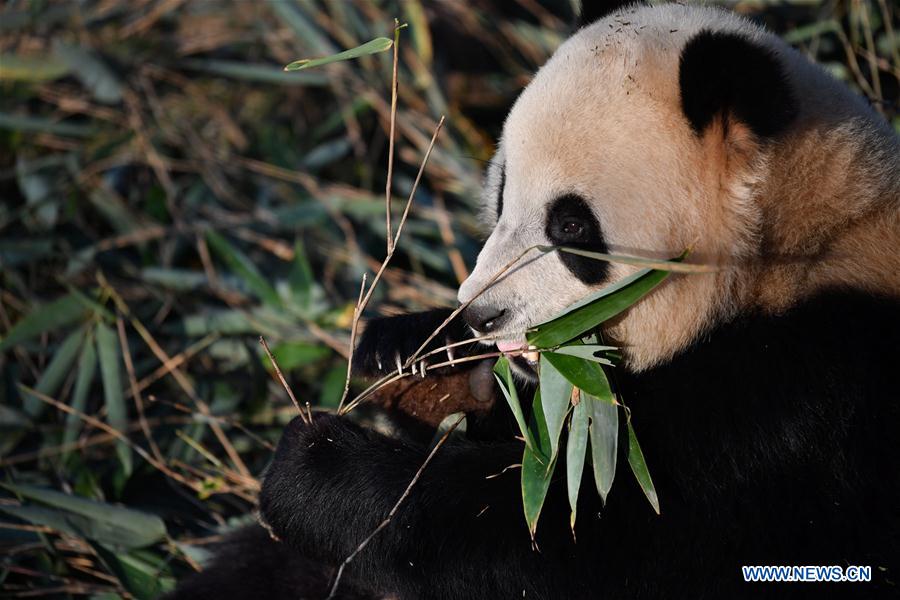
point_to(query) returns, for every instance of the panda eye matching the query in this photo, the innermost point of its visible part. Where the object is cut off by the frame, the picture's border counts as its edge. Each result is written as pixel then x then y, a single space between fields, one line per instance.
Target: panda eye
pixel 570 222
pixel 573 228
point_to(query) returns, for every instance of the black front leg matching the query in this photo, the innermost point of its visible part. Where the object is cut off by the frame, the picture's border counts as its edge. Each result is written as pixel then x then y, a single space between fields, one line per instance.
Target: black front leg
pixel 459 534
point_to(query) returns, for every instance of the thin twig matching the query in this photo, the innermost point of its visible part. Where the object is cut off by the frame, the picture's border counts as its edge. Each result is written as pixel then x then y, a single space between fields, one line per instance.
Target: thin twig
pixel 303 416
pixel 354 327
pixel 364 301
pixel 390 168
pixel 387 520
pixel 135 392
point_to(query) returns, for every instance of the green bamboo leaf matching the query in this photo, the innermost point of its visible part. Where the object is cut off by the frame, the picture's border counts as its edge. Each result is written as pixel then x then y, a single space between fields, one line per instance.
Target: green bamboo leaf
pixel 583 374
pixel 604 431
pixel 291 355
pixel 332 387
pixel 306 296
pixel 588 352
pixel 537 467
pixel 243 267
pixel 576 449
pixel 595 309
pixel 596 393
pixel 639 468
pixel 537 472
pixel 46 317
pixel 375 46
pixel 111 374
pixel 508 387
pixel 89 303
pixel 83 517
pixel 87 368
pixel 301 279
pixel 556 394
pixel 56 372
pixel 138 576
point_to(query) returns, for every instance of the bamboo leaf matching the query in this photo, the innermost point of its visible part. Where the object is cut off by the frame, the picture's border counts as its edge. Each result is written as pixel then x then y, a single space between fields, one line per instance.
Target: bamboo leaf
pixel 583 374
pixel 556 393
pixel 595 309
pixel 639 468
pixel 508 387
pixel 111 374
pixel 56 372
pixel 139 577
pixel 101 521
pixel 291 355
pixel 588 352
pixel 537 467
pixel 375 46
pixel 604 430
pixel 576 449
pixel 87 368
pixel 243 267
pixel 46 317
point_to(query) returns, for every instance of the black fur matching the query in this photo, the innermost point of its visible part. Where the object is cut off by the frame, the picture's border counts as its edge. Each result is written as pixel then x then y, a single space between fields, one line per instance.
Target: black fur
pixel 591 10
pixel 386 337
pixel 773 441
pixel 724 74
pixel 249 564
pixel 572 210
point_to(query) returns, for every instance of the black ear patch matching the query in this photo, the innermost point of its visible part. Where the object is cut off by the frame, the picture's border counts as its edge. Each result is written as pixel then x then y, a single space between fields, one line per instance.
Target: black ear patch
pixel 592 10
pixel 726 74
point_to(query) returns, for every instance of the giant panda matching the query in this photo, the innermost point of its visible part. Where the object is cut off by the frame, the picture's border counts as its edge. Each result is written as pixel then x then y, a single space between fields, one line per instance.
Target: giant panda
pixel 765 393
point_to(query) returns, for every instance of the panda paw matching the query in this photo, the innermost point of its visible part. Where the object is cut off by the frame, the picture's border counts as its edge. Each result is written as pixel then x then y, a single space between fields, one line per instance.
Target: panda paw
pixel 309 457
pixel 388 342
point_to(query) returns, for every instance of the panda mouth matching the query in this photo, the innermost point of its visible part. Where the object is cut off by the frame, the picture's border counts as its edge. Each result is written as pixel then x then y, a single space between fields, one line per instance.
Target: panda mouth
pixel 511 346
pixel 518 349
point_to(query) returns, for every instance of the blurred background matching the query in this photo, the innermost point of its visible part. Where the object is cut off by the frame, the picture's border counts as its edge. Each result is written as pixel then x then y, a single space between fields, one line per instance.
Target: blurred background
pixel 168 194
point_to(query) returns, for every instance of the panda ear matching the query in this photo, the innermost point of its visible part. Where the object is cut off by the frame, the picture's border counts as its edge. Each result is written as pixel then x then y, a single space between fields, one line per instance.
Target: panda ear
pixel 591 10
pixel 726 75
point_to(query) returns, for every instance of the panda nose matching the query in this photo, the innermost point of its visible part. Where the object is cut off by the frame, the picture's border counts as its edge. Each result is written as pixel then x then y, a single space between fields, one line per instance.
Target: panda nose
pixel 484 319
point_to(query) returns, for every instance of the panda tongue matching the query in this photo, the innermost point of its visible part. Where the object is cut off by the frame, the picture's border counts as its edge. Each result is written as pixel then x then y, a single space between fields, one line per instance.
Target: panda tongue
pixel 506 346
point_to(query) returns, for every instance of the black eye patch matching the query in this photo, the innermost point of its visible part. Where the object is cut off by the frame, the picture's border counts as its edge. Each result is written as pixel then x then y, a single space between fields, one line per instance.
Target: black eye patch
pixel 501 188
pixel 570 222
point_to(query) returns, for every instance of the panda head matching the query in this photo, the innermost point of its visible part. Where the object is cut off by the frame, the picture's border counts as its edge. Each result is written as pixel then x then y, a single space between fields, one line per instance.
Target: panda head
pixel 649 132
